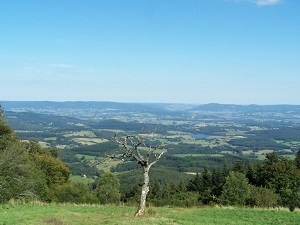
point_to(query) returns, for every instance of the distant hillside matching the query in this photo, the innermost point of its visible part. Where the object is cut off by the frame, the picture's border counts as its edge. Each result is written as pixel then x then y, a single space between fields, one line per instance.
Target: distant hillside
pixel 39 122
pixel 38 106
pixel 10 105
pixel 214 107
pixel 51 105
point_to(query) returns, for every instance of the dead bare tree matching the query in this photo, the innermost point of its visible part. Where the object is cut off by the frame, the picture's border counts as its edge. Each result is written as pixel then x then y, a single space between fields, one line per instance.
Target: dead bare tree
pixel 146 157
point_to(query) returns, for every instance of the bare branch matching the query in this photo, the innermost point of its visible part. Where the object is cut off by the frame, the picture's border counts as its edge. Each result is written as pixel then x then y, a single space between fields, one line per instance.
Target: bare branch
pixel 131 144
pixel 135 145
pixel 157 157
pixel 128 151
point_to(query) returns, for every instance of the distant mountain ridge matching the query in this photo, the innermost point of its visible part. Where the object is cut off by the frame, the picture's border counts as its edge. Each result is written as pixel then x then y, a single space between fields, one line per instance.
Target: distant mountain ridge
pixel 11 105
pixel 143 107
pixel 214 107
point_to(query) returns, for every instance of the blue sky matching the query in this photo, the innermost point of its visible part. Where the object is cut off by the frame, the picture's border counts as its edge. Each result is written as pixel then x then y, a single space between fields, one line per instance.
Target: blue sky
pixel 181 51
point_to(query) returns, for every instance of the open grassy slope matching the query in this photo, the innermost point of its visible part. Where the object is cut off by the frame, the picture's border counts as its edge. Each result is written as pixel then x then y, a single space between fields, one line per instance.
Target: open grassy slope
pixel 80 214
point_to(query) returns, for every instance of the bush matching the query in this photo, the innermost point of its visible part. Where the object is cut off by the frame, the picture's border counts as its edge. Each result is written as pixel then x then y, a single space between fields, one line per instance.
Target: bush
pixel 263 197
pixel 108 188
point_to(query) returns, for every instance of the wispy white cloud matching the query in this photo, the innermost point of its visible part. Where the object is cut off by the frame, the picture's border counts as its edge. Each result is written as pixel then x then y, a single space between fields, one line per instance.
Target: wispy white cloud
pixel 267 2
pixel 261 2
pixel 61 65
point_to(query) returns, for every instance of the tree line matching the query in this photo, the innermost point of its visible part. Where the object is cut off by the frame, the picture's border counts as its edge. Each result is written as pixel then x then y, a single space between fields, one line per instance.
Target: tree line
pixel 272 183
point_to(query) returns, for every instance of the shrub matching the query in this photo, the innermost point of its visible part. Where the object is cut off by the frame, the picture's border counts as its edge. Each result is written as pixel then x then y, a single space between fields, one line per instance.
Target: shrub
pixel 263 197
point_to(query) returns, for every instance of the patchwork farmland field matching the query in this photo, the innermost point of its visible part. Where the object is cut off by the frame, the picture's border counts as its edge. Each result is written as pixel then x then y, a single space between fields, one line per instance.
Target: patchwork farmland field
pixel 207 133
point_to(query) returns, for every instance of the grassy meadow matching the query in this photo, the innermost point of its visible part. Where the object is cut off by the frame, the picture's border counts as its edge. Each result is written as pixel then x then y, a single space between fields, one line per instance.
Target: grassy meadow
pixel 62 214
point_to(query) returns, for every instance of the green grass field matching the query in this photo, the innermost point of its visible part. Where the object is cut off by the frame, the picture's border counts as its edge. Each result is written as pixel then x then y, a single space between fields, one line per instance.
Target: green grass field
pixel 80 179
pixel 108 164
pixel 83 133
pixel 89 141
pixel 60 214
pixel 87 157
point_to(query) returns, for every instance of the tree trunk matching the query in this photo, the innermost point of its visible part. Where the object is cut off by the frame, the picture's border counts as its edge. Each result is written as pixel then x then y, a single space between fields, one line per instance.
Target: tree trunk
pixel 145 190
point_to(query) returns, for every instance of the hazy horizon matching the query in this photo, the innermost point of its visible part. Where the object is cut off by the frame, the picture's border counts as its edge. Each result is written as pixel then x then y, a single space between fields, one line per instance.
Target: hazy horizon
pixel 151 51
pixel 179 103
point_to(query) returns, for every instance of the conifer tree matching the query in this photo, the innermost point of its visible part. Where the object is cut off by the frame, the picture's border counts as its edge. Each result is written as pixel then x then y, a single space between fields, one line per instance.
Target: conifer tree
pixel 194 184
pixel 206 180
pixel 155 192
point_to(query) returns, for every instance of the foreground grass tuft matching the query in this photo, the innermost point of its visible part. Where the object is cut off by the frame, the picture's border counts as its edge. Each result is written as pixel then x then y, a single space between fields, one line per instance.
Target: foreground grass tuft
pixel 53 221
pixel 70 214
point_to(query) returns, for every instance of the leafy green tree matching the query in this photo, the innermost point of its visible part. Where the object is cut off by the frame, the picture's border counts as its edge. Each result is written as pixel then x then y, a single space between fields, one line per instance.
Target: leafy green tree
pixel 1 114
pixel 181 187
pixel 76 193
pixel 263 197
pixel 281 176
pixel 236 190
pixel 291 195
pixel 238 167
pixel 284 173
pixel 108 188
pixel 285 181
pixel 7 135
pixel 297 160
pixel 27 169
pixel 271 158
pixel 18 175
pixel 54 171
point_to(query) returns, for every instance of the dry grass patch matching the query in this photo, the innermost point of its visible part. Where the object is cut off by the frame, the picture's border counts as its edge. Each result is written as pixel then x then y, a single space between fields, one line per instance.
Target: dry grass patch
pixel 53 221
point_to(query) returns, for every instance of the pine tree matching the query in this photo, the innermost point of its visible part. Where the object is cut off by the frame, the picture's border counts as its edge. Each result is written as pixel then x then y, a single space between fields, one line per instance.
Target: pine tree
pixel 218 181
pixel 194 184
pixel 206 180
pixel 155 192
